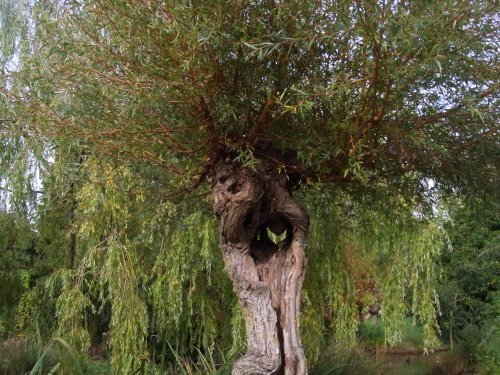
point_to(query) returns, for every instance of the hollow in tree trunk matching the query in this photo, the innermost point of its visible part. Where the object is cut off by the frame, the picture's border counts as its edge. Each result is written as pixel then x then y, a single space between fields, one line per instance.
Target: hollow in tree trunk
pixel 267 277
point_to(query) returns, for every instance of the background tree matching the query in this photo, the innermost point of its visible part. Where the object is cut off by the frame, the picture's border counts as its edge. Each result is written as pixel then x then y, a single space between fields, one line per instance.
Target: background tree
pixel 364 100
pixel 469 289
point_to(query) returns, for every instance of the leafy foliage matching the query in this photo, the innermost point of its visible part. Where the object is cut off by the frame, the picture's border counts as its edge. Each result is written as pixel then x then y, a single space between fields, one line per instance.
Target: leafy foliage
pixel 17 254
pixel 469 290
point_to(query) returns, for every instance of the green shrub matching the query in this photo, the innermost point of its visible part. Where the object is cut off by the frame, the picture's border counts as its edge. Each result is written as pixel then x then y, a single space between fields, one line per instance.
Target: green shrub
pixel 371 333
pixel 469 344
pixel 489 353
pixel 413 334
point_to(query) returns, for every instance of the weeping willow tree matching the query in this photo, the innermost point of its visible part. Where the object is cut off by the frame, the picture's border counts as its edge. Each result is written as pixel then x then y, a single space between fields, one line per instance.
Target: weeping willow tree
pixel 141 115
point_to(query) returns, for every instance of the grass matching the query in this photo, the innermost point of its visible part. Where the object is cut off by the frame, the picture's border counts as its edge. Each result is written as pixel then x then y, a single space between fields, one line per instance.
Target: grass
pixel 18 356
pixel 203 364
pixel 24 356
pixel 27 356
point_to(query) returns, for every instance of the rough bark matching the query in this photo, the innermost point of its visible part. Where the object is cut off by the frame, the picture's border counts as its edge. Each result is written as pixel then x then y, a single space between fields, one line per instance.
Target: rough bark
pixel 267 277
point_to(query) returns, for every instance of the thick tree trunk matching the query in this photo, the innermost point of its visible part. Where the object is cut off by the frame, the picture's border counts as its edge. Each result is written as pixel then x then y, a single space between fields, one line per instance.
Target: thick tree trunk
pixel 267 277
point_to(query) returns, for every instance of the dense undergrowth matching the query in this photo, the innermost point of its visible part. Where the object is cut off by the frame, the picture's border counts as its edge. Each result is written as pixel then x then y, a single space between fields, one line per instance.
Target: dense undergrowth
pixel 474 353
pixel 26 361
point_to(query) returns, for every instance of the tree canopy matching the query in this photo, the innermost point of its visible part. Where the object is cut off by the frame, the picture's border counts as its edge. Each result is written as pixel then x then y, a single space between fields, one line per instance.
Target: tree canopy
pixel 369 92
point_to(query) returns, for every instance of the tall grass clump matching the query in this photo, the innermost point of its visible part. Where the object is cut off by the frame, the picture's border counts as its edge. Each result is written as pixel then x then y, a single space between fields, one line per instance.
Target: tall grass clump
pixel 208 363
pixel 18 356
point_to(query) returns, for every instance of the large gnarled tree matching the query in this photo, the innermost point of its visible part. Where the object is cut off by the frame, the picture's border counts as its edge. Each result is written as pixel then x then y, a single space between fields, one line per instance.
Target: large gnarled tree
pixel 260 98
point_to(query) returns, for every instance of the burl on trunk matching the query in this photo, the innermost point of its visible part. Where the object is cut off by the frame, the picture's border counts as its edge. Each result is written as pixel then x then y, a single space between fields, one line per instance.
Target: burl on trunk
pixel 267 277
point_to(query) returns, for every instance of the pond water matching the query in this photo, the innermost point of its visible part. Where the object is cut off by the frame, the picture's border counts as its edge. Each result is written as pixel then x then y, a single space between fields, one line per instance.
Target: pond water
pixel 411 364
